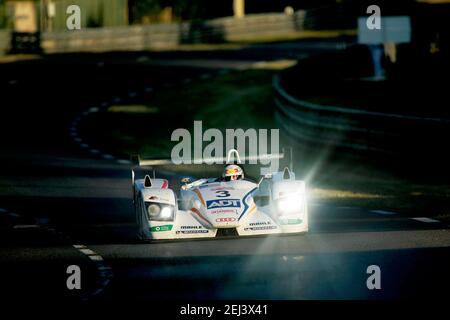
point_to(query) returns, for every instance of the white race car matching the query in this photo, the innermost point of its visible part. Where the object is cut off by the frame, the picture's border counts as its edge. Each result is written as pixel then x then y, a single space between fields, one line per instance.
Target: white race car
pixel 211 207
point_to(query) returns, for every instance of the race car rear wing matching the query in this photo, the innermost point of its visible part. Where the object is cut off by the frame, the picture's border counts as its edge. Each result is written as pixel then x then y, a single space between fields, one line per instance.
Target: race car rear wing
pixel 233 157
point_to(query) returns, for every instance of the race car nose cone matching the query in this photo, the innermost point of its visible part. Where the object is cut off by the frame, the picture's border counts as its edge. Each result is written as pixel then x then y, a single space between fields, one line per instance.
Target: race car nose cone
pixel 221 222
pixel 223 217
pixel 225 222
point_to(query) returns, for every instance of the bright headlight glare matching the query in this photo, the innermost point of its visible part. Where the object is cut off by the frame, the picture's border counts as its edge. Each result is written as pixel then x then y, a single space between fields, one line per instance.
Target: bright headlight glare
pixel 289 204
pixel 166 212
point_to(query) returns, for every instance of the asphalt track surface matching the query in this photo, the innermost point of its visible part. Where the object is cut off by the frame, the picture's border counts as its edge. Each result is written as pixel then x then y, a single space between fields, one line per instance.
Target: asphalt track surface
pixel 62 205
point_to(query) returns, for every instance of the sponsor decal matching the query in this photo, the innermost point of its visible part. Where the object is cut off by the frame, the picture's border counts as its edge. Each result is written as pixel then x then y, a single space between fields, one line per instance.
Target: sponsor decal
pixel 223 203
pixel 220 211
pixel 222 194
pixel 265 223
pixel 191 231
pixel 166 227
pixel 290 221
pixel 190 227
pixel 222 188
pixel 260 228
pixel 225 219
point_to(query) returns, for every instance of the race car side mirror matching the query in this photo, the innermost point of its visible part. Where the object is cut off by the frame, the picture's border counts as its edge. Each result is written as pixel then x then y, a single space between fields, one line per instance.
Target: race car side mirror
pixel 260 181
pixel 268 176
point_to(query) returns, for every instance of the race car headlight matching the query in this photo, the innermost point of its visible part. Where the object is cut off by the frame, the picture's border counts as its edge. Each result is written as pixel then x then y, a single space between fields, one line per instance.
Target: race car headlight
pixel 153 210
pixel 160 212
pixel 166 212
pixel 289 204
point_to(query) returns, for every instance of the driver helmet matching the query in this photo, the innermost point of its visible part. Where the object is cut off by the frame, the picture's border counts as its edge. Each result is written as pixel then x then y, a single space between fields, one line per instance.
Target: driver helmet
pixel 232 172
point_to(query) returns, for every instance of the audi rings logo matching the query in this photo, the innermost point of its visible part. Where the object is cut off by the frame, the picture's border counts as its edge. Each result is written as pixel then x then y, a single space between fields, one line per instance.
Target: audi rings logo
pixel 225 219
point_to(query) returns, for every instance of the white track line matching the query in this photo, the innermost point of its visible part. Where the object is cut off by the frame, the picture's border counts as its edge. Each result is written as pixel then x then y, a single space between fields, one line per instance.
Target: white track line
pixel 75 135
pixel 104 271
pixel 426 220
pixel 74 130
pixel 87 252
pixel 96 257
pixel 108 157
pixel 387 213
pixel 26 226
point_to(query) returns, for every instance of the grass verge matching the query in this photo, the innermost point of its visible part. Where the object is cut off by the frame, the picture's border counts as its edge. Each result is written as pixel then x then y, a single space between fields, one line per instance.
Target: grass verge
pixel 237 100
